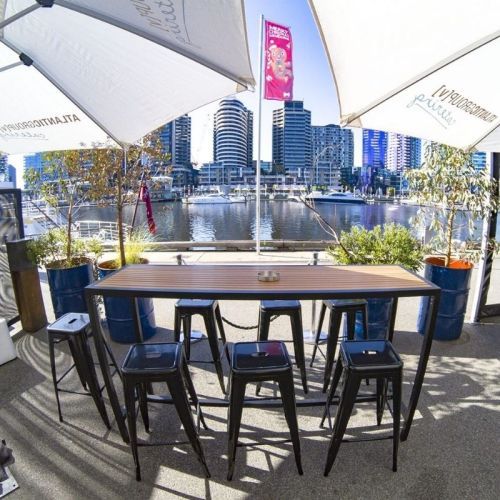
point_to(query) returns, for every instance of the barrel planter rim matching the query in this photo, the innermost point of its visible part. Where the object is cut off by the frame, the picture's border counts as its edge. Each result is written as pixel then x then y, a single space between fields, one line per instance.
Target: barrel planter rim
pixel 110 264
pixel 58 265
pixel 438 261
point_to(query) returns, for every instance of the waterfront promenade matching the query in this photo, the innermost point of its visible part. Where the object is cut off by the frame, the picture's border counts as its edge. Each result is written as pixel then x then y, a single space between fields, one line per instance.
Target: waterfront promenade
pixel 452 450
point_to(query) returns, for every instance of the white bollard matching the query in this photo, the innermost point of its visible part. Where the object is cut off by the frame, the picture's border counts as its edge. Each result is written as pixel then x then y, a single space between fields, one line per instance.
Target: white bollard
pixel 7 349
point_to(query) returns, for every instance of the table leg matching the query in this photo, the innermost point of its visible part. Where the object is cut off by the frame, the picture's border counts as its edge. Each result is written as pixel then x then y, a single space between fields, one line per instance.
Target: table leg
pixel 104 364
pixel 392 320
pixel 136 317
pixel 422 363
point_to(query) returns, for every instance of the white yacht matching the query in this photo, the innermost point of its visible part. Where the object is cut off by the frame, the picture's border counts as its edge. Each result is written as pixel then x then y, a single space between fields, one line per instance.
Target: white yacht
pixel 206 199
pixel 333 197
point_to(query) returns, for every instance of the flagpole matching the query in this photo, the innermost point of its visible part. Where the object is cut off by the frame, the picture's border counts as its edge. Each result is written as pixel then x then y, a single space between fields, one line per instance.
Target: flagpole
pixel 259 134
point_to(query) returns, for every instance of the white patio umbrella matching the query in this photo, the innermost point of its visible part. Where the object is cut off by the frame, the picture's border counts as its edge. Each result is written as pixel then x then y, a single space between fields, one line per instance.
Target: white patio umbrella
pixel 76 73
pixel 421 68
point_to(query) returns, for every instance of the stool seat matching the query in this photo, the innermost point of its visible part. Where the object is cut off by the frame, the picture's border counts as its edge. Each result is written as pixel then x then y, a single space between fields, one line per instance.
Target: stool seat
pixel 278 305
pixel 260 362
pixel 195 303
pixel 260 356
pixel 74 328
pixel 160 362
pixel 293 309
pixel 370 355
pixel 151 358
pixel 338 307
pixel 344 303
pixel 70 324
pixel 359 359
pixel 209 309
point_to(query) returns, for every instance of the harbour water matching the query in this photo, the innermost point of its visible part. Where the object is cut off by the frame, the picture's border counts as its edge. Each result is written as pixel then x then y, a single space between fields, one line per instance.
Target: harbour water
pixel 279 220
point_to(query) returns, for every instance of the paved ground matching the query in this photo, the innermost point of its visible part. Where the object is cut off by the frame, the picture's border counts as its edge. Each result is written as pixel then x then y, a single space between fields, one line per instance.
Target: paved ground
pixel 453 449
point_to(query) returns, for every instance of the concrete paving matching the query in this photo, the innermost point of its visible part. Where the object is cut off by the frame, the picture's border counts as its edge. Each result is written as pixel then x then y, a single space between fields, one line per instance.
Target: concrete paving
pixel 453 449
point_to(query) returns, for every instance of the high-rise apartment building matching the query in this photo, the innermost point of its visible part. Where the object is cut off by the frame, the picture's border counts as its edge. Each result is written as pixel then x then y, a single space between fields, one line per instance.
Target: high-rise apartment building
pixel 176 140
pixel 402 152
pixel 479 160
pixel 233 140
pixel 333 156
pixel 292 142
pixel 374 148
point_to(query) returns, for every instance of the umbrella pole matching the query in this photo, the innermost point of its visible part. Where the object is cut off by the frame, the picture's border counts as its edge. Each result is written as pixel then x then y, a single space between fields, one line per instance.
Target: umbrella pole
pixel 259 135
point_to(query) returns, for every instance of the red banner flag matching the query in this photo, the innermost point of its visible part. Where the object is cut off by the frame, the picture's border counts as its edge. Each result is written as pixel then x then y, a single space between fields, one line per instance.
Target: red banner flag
pixel 278 73
pixel 144 196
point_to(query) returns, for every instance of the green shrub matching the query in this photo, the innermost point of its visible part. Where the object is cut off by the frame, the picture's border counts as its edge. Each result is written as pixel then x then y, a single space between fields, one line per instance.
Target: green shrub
pixel 388 244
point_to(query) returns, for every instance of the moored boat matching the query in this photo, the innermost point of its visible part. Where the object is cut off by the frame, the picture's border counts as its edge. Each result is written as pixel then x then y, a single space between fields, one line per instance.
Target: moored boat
pixel 334 197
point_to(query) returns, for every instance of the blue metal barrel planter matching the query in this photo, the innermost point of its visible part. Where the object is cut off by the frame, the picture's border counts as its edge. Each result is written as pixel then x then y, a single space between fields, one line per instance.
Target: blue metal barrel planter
pixel 67 287
pixel 454 282
pixel 379 316
pixel 119 315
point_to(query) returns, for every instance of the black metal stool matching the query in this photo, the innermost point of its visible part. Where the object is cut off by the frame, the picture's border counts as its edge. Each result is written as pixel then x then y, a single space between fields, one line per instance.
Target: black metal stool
pixel 259 362
pixel 160 362
pixel 292 308
pixel 337 308
pixel 358 360
pixel 185 309
pixel 74 328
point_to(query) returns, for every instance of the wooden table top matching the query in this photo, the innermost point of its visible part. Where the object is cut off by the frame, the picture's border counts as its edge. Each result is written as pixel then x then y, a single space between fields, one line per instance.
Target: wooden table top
pixel 219 281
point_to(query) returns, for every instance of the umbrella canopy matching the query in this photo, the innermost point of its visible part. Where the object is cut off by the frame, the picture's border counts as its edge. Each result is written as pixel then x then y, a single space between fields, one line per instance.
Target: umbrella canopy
pixel 80 73
pixel 421 68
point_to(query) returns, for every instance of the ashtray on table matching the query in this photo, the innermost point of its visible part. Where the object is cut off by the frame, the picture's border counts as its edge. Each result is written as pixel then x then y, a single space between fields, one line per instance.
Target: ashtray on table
pixel 268 276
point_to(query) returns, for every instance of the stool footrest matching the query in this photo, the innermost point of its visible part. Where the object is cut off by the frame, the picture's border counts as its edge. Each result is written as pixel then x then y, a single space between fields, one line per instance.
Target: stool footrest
pixel 264 443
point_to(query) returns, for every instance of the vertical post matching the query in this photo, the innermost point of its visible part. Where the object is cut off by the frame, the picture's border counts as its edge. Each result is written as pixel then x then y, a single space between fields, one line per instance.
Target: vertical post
pixel 480 297
pixel 259 138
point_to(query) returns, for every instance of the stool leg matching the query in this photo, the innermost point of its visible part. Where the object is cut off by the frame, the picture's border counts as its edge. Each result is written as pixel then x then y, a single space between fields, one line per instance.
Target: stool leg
pixel 331 346
pixel 143 404
pixel 288 398
pixel 178 392
pixel 298 345
pixel 331 393
pixel 129 390
pixel 262 335
pixel 380 399
pixel 191 391
pixel 236 399
pixel 351 324
pixel 213 342
pixel 264 322
pixel 186 330
pixel 177 325
pixel 54 374
pixel 318 332
pixel 344 411
pixel 364 316
pixel 82 350
pixel 218 318
pixel 78 361
pixel 396 415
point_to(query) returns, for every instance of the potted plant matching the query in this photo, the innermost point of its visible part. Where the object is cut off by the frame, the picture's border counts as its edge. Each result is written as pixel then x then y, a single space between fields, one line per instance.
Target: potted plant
pixel 455 196
pixel 69 260
pixel 388 244
pixel 122 176
pixel 118 310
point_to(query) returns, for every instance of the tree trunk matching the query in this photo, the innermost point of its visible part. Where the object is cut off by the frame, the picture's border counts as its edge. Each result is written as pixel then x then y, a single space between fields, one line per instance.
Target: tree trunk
pixel 119 208
pixel 449 237
pixel 69 239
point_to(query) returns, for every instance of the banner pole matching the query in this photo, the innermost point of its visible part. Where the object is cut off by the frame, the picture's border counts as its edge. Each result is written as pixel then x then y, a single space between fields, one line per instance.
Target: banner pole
pixel 259 136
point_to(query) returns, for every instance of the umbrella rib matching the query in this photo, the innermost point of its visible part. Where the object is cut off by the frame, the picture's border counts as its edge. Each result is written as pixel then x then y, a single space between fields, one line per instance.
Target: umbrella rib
pixel 66 94
pixel 18 15
pixel 442 64
pixel 159 41
pixel 11 66
pixel 490 131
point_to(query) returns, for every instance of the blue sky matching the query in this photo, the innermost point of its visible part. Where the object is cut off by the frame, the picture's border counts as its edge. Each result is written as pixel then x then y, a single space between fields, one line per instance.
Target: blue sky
pixel 313 82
